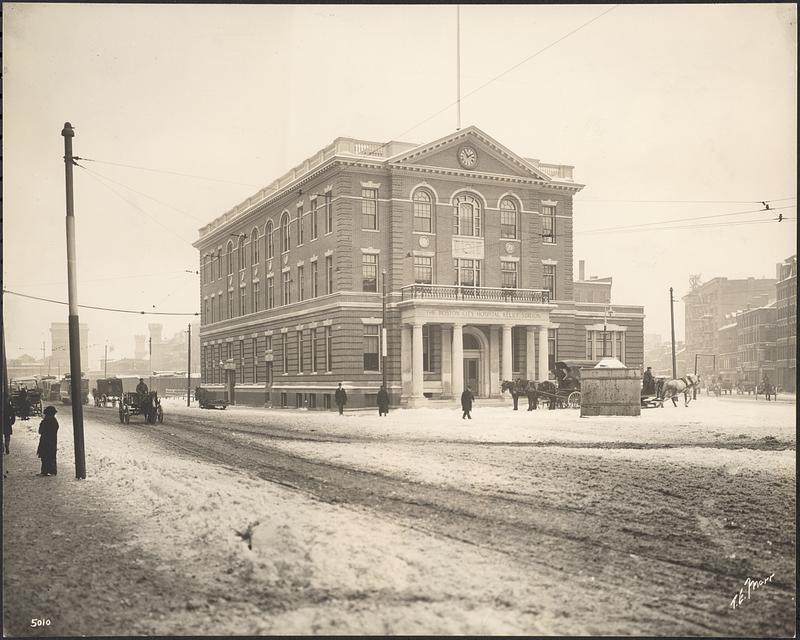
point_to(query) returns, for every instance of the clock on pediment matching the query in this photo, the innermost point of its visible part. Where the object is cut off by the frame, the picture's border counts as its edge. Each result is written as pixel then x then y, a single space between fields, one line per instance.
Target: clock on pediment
pixel 468 157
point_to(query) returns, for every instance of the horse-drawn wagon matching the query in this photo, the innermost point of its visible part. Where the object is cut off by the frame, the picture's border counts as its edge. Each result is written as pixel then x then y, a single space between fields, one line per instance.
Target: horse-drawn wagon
pixel 26 400
pixel 211 396
pixel 108 391
pixel 147 405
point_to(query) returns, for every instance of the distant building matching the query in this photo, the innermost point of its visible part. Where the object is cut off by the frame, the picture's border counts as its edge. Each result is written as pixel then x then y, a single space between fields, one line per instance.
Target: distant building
pixel 786 324
pixel 592 290
pixel 58 362
pixel 728 357
pixel 706 308
pixel 756 336
pixel 171 355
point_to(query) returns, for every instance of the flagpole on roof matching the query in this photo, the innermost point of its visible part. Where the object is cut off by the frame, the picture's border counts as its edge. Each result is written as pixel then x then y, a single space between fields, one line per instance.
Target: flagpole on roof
pixel 458 67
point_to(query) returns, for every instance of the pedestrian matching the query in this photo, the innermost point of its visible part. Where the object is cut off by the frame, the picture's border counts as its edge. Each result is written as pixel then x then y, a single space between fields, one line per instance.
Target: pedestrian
pixel 516 392
pixel 341 398
pixel 383 401
pixel 8 419
pixel 533 398
pixel 48 441
pixel 22 404
pixel 466 403
pixel 649 382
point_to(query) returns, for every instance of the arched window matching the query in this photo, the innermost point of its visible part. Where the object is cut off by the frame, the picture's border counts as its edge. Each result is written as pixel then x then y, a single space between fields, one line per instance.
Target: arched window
pixel 423 211
pixel 467 214
pixel 268 240
pixel 285 235
pixel 230 258
pixel 255 256
pixel 242 256
pixel 508 219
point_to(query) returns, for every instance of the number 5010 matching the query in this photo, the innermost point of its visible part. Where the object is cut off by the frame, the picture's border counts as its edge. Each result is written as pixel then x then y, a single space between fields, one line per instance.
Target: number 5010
pixel 40 622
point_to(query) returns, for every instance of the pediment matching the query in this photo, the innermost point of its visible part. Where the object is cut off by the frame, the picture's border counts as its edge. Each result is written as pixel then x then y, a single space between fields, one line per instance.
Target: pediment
pixel 492 157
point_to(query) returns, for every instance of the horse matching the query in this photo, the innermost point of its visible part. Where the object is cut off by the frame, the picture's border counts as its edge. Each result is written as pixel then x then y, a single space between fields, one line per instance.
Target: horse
pixel 516 387
pixel 149 407
pixel 766 388
pixel 683 385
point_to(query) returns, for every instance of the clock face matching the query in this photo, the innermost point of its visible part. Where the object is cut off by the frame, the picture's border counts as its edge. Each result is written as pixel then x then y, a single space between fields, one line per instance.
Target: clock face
pixel 468 157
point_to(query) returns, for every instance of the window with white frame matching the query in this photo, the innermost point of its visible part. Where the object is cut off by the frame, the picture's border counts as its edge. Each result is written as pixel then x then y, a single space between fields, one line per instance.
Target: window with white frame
pixel 328 349
pixel 329 274
pixel 314 350
pixel 467 216
pixel 255 252
pixel 285 351
pixel 241 361
pixel 314 219
pixel 508 274
pixel 268 240
pixel 242 301
pixel 467 272
pixel 301 284
pixel 423 269
pixel 254 348
pixel 549 279
pixel 230 258
pixel 548 223
pixel 241 256
pixel 328 213
pixel 508 219
pixel 605 344
pixel 219 307
pixel 287 287
pixel 369 208
pixel 423 211
pixel 230 305
pixel 314 279
pixel 300 349
pixel 371 347
pixel 286 236
pixel 369 272
pixel 300 228
pixel 270 292
pixel 255 303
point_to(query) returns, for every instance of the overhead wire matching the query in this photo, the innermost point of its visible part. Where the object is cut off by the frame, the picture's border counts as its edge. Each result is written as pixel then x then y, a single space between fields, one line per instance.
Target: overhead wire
pixel 97 308
pixel 582 200
pixel 176 173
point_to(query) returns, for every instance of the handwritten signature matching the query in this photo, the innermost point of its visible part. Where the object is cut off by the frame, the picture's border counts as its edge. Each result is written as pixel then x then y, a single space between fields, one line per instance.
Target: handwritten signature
pixel 751 586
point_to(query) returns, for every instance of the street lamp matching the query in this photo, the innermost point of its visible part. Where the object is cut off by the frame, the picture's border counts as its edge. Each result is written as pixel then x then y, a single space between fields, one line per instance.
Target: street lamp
pixel 383 329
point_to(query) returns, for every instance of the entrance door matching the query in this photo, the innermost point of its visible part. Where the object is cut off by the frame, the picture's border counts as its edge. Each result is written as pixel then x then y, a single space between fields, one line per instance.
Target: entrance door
pixel 472 375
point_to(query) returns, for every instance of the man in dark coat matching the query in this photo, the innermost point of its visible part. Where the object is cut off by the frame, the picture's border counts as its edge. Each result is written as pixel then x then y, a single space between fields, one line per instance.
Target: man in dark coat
pixel 141 388
pixel 341 398
pixel 466 403
pixel 533 398
pixel 48 441
pixel 648 382
pixel 23 404
pixel 8 419
pixel 383 401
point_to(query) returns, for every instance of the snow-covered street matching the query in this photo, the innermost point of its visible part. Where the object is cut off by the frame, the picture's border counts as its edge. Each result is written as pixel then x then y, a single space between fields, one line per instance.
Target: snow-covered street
pixel 250 521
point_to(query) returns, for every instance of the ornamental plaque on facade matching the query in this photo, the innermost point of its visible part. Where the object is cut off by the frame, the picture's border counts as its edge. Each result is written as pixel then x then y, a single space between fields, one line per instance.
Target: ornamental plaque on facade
pixel 424 241
pixel 468 248
pixel 509 248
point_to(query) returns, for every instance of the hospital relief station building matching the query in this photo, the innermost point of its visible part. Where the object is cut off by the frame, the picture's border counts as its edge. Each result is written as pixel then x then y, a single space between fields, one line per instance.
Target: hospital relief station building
pixel 459 248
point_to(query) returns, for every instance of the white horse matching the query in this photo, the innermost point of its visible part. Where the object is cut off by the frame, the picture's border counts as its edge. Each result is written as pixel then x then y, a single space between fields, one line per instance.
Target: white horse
pixel 683 385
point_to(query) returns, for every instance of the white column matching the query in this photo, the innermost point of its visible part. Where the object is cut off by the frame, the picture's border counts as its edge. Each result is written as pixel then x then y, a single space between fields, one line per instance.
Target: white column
pixel 447 361
pixel 530 353
pixel 494 362
pixel 542 353
pixel 508 369
pixel 458 360
pixel 417 374
pixel 405 359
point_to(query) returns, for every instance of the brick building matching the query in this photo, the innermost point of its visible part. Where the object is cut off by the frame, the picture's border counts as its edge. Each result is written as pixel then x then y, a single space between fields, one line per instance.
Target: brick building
pixel 706 308
pixel 592 290
pixel 472 242
pixel 756 334
pixel 786 325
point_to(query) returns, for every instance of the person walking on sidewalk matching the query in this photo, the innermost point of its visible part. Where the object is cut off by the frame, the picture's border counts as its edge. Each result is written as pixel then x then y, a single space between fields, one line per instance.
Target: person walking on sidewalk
pixel 341 398
pixel 48 441
pixel 466 403
pixel 383 401
pixel 8 419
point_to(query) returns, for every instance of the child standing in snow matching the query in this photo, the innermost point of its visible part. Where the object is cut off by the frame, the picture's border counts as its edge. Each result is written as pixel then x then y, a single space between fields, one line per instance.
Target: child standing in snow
pixel 48 441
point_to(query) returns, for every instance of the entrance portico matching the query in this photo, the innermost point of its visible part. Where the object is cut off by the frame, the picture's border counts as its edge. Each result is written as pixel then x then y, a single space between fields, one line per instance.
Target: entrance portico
pixel 476 344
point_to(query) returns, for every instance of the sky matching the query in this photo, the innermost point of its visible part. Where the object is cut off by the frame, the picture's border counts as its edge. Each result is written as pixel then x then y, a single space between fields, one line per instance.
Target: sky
pixel 206 104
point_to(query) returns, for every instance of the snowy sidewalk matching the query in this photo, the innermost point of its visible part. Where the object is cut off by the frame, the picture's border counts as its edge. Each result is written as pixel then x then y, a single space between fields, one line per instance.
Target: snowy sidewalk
pixel 148 544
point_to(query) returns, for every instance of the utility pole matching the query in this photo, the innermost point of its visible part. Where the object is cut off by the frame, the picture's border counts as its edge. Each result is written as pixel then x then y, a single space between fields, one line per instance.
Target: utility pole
pixel 74 326
pixel 672 326
pixel 105 363
pixel 383 331
pixel 150 345
pixel 189 371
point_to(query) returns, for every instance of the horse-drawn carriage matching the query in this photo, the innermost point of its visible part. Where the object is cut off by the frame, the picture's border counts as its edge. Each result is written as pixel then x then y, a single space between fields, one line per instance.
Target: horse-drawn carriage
pixel 211 397
pixel 108 391
pixel 563 393
pixel 27 400
pixel 147 405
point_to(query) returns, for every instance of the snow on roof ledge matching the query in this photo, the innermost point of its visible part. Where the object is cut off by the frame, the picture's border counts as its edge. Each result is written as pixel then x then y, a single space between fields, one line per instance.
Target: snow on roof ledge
pixel 610 363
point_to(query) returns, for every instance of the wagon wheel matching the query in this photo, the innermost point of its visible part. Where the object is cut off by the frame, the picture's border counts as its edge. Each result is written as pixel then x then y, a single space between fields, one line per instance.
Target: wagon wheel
pixel 160 414
pixel 574 400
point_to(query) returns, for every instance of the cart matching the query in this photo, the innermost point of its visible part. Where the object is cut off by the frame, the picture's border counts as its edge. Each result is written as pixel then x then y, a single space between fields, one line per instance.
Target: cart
pixel 149 406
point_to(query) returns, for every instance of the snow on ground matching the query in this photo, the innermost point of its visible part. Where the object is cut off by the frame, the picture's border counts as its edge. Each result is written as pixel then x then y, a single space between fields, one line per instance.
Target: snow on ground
pixel 186 515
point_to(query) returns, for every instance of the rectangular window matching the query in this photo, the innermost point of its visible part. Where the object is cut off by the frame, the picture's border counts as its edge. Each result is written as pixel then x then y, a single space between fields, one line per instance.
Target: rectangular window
pixel 423 210
pixel 329 274
pixel 618 346
pixel 467 272
pixel 548 224
pixel 328 213
pixel 552 348
pixel 242 301
pixel 549 279
pixel 369 272
pixel 300 352
pixel 301 289
pixel 219 308
pixel 369 208
pixel 371 347
pixel 314 219
pixel 518 340
pixel 256 296
pixel 508 274
pixel 314 279
pixel 287 291
pixel 285 352
pixel 241 361
pixel 230 305
pixel 300 231
pixel 207 319
pixel 423 269
pixel 270 292
pixel 508 223
pixel 328 349
pixel 314 350
pixel 254 347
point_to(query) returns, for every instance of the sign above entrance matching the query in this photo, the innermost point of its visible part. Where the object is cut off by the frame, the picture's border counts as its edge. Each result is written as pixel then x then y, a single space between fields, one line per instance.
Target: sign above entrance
pixel 468 248
pixel 476 316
